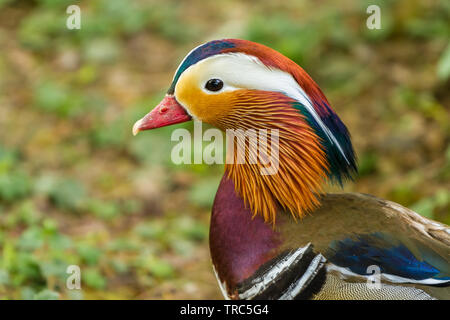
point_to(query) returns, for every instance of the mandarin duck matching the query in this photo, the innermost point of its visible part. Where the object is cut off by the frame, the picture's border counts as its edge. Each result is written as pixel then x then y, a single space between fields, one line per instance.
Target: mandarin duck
pixel 279 236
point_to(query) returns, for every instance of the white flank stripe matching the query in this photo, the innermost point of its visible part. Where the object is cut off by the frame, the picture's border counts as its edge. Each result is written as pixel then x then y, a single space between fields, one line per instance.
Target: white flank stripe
pixel 293 291
pixel 264 280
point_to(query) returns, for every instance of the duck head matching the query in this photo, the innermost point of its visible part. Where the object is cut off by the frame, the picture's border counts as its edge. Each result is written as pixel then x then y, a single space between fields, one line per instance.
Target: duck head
pixel 238 84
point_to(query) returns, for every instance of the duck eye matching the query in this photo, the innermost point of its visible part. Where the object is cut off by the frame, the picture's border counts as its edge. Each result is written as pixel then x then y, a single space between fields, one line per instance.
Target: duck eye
pixel 214 84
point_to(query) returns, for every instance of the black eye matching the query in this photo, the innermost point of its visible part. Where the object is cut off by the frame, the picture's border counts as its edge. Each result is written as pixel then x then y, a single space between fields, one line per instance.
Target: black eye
pixel 214 84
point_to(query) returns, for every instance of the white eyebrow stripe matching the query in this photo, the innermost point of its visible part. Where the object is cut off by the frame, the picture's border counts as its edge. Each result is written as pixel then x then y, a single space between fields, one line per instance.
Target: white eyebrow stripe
pixel 240 70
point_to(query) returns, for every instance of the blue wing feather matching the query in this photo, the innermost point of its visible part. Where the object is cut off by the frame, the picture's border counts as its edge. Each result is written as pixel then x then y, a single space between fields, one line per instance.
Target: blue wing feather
pixel 392 256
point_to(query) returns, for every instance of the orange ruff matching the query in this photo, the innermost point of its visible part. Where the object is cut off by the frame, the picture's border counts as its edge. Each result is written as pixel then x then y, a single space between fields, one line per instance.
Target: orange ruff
pixel 302 160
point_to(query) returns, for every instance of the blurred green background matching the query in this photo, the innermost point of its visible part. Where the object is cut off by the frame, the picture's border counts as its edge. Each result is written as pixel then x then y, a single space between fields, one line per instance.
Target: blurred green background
pixel 77 188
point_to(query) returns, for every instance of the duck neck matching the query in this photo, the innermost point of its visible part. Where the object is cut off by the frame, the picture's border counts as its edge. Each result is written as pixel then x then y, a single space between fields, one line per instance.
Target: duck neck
pixel 239 244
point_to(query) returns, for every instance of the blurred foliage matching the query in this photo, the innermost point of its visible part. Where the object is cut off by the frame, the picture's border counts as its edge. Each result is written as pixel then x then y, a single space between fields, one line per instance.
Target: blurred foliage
pixel 77 188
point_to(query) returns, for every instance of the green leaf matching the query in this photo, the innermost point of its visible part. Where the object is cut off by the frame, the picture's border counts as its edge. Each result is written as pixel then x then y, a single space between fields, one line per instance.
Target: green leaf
pixel 14 186
pixel 191 229
pixel 90 255
pixel 203 192
pixel 46 294
pixel 68 194
pixel 367 163
pixel 57 98
pixel 424 207
pixel 160 269
pixel 31 239
pixel 151 230
pixel 102 209
pixel 93 279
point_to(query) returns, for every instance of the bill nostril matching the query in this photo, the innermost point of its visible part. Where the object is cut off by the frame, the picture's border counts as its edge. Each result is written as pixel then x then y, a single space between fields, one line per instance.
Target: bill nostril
pixel 163 109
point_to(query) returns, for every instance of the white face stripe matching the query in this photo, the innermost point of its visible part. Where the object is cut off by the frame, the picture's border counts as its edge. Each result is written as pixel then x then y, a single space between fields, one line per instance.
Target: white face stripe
pixel 242 71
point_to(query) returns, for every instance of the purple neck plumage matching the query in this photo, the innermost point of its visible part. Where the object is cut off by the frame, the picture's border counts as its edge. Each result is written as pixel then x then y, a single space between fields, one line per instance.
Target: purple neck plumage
pixel 239 244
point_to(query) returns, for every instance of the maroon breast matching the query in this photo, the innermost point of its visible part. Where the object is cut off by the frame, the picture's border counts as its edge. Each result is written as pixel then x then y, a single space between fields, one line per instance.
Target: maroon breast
pixel 238 243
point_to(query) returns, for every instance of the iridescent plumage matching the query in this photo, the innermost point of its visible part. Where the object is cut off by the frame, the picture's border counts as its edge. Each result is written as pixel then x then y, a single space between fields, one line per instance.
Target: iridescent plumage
pixel 259 249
